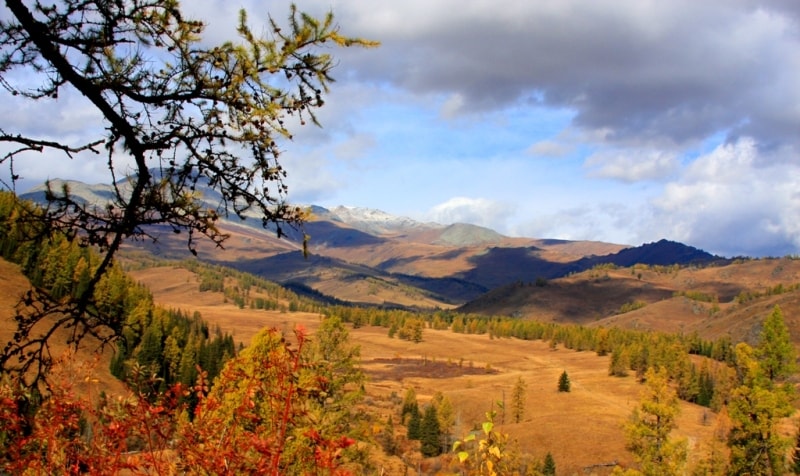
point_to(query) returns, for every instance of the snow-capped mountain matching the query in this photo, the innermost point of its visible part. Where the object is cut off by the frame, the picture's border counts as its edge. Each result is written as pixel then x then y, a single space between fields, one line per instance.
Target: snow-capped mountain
pixel 370 220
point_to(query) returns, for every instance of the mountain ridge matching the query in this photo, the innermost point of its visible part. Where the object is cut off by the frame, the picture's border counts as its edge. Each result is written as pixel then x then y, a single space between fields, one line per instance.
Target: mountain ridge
pixel 404 261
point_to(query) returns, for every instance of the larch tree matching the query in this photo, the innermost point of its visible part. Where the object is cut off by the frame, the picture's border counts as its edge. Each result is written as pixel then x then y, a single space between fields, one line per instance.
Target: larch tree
pixel 775 351
pixel 756 408
pixel 518 398
pixel 178 114
pixel 648 431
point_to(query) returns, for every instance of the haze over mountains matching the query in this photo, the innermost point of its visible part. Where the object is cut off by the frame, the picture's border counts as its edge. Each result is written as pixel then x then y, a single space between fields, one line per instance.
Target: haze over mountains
pixel 366 256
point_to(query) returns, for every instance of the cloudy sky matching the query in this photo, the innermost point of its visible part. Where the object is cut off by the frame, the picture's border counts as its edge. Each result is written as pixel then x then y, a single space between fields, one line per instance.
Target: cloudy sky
pixel 625 121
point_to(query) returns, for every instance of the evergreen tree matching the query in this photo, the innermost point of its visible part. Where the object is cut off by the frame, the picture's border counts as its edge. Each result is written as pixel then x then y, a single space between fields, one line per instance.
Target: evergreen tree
pixel 549 466
pixel 705 392
pixel 518 400
pixel 430 433
pixel 414 426
pixel 564 384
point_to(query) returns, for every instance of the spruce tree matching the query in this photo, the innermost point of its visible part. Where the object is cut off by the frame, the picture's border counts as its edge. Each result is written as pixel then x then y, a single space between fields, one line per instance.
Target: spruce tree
pixel 414 423
pixel 549 466
pixel 564 384
pixel 430 433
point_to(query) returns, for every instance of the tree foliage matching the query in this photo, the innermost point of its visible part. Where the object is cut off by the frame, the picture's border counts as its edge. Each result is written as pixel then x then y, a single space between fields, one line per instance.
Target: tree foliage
pixel 775 351
pixel 430 435
pixel 268 413
pixel 648 432
pixel 564 385
pixel 756 445
pixel 518 400
pixel 177 114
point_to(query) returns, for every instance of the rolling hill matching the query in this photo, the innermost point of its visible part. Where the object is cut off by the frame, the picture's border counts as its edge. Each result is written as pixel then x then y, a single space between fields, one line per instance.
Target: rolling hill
pixel 367 256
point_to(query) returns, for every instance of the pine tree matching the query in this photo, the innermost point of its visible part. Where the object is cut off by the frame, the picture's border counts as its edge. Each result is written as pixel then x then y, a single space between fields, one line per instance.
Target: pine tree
pixel 549 466
pixel 430 433
pixel 564 384
pixel 414 426
pixel 152 77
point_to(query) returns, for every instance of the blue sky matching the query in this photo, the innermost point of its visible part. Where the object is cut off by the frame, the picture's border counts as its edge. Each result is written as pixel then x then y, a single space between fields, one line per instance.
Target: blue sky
pixel 624 121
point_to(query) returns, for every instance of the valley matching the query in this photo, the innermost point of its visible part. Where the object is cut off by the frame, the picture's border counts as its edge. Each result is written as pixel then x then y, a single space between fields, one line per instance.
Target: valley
pixel 475 372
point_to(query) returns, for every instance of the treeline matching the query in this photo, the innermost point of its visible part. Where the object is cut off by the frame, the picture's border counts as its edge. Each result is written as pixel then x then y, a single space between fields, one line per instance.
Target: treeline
pixel 706 379
pixel 246 290
pixel 164 343
pixel 170 345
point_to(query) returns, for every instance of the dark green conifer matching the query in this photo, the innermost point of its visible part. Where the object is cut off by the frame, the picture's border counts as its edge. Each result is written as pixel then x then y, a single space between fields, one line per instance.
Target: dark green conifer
pixel 430 433
pixel 564 384
pixel 549 466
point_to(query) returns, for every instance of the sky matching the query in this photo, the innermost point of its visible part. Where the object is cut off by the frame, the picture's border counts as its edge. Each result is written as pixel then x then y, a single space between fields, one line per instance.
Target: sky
pixel 623 121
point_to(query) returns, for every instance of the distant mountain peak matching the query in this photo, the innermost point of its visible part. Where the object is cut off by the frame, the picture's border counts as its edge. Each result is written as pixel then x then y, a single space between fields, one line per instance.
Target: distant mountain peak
pixel 371 220
pixel 463 234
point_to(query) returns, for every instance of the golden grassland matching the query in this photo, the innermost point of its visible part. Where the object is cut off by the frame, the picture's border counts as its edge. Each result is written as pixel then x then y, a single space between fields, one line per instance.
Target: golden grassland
pixel 583 429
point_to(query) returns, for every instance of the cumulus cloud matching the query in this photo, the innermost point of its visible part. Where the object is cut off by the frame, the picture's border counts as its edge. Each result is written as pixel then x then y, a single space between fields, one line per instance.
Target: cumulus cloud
pixel 729 203
pixel 632 166
pixel 477 211
pixel 606 221
pixel 677 71
pixel 549 149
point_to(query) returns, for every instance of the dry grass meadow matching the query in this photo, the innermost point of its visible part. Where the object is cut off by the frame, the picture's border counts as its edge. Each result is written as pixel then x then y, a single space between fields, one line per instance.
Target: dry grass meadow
pixel 582 428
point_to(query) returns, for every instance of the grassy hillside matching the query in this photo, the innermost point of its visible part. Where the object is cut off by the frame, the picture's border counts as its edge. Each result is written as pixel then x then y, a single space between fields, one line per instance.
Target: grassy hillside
pixel 13 285
pixel 714 301
pixel 475 372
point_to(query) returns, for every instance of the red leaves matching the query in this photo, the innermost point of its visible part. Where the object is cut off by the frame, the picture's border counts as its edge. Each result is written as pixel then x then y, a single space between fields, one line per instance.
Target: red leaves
pixel 255 422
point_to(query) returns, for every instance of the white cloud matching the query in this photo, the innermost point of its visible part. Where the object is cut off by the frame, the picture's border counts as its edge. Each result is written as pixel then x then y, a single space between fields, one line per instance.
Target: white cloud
pixel 452 106
pixel 549 149
pixel 728 202
pixel 631 165
pixel 604 221
pixel 477 211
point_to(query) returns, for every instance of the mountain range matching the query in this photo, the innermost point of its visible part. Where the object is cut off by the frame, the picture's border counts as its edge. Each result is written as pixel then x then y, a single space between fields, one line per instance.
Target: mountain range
pixel 367 256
